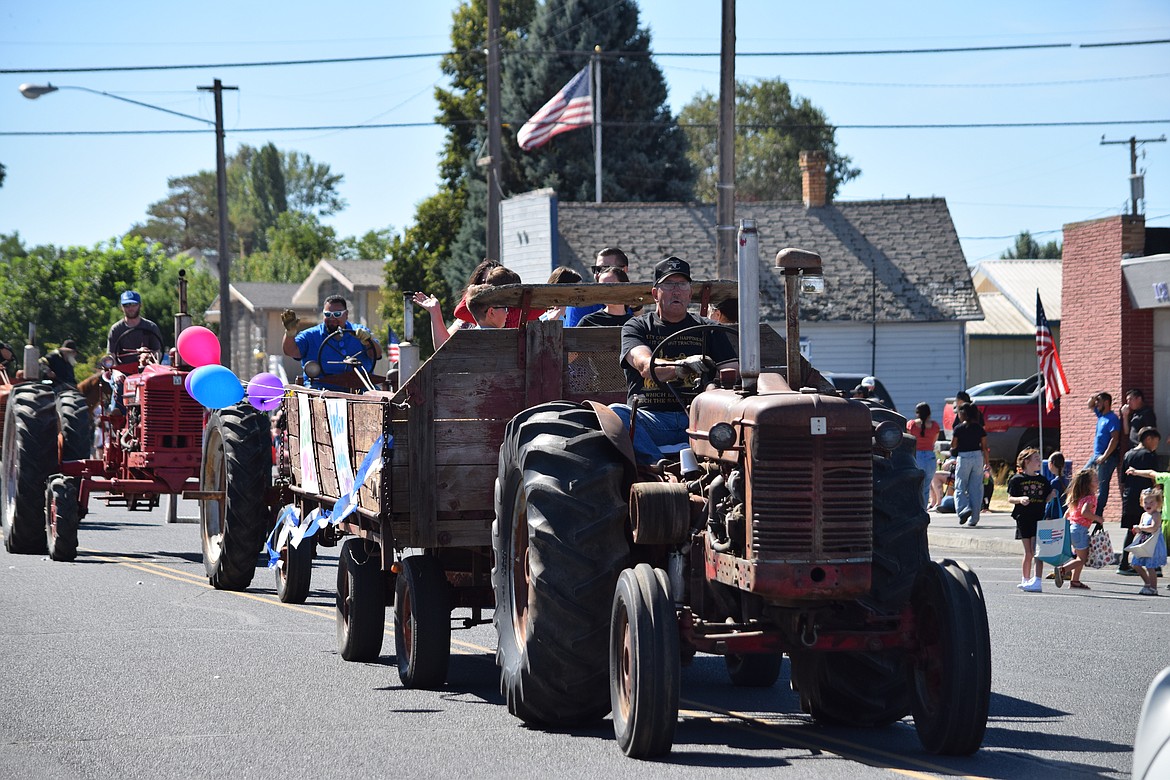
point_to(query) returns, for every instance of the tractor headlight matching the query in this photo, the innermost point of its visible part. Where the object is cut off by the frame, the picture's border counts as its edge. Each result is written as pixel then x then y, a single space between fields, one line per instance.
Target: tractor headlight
pixel 888 435
pixel 722 436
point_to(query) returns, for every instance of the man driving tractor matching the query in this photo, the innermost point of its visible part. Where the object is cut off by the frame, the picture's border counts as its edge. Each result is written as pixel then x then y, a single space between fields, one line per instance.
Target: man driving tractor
pixel 330 344
pixel 133 333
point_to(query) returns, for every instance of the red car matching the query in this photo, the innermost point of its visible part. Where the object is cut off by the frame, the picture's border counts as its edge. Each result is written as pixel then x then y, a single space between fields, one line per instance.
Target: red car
pixel 1012 420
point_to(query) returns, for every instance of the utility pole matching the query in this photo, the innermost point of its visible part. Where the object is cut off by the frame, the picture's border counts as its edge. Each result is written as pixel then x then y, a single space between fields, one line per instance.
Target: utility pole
pixel 225 308
pixel 492 161
pixel 725 244
pixel 1136 184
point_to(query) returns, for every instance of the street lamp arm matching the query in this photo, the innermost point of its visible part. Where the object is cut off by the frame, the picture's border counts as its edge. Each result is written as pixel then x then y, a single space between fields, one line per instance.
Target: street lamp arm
pixel 34 91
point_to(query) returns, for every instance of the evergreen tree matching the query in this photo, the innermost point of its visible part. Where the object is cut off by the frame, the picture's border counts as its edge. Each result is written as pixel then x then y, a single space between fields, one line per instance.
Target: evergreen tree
pixel 1028 248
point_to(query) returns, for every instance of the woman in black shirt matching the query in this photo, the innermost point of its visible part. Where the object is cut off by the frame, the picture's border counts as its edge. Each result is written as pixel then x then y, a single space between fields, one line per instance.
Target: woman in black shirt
pixel 969 448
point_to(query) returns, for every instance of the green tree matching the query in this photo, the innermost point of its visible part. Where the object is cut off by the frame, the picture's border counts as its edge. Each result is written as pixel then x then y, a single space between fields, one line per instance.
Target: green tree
pixel 374 245
pixel 1028 248
pixel 772 128
pixel 262 184
pixel 296 243
pixel 415 262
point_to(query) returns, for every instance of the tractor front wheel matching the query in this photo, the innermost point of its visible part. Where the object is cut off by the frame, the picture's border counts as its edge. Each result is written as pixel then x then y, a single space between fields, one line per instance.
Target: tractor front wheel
pixel 61 517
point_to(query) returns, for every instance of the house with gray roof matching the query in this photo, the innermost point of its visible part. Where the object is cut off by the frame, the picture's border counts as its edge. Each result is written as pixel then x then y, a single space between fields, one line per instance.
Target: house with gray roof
pixel 1003 345
pixel 898 290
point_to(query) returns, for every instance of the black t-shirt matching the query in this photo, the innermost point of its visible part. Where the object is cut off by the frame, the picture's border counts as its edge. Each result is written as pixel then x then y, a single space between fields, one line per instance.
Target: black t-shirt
pixel 1132 486
pixel 651 330
pixel 968 437
pixel 1036 488
pixel 603 319
pixel 1138 419
pixel 138 336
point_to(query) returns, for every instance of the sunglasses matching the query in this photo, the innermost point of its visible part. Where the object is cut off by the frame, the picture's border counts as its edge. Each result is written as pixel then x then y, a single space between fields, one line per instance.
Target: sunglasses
pixel 599 268
pixel 335 314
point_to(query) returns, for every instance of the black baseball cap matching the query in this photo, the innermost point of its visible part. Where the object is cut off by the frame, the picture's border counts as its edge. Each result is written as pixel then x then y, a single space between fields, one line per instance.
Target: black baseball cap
pixel 669 266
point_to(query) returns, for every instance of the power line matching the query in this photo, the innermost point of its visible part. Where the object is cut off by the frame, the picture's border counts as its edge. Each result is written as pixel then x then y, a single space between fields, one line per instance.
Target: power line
pixel 555 52
pixel 407 125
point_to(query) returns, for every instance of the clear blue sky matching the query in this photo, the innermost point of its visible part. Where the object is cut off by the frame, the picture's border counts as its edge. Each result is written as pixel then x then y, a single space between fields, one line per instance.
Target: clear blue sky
pixel 70 190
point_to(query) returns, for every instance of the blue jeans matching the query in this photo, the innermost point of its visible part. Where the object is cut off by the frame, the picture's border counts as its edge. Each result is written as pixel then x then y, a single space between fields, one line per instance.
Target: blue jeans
pixel 1105 469
pixel 969 485
pixel 928 464
pixel 655 429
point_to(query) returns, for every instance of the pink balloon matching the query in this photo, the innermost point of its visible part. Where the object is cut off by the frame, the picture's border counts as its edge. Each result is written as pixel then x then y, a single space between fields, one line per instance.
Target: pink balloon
pixel 265 391
pixel 198 346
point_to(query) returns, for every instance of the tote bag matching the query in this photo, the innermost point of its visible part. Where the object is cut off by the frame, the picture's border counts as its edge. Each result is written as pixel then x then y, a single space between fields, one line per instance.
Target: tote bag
pixel 1100 548
pixel 1145 548
pixel 1053 542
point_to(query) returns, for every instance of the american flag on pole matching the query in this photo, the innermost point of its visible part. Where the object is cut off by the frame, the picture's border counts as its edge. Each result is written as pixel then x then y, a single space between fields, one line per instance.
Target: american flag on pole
pixel 569 109
pixel 393 352
pixel 1055 382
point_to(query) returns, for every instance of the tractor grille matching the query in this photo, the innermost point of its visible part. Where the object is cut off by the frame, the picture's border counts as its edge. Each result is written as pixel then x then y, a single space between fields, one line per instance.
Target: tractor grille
pixel 171 419
pixel 812 496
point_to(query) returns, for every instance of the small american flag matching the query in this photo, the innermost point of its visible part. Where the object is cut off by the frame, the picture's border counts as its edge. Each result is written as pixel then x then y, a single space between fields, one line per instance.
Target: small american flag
pixel 569 109
pixel 1055 383
pixel 393 342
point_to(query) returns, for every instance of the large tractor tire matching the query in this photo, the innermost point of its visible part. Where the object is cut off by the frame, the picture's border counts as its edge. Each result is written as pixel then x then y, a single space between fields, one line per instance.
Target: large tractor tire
pixel 899 529
pixel 644 663
pixel 61 517
pixel 76 425
pixel 852 688
pixel 560 543
pixel 237 462
pixel 29 456
pixel 758 670
pixel 951 677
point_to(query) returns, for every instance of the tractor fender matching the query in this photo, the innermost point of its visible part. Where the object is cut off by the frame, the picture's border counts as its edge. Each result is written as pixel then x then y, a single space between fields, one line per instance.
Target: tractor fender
pixel 614 430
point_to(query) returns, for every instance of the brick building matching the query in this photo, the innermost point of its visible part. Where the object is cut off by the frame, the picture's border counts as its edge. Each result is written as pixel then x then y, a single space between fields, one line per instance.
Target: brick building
pixel 1113 325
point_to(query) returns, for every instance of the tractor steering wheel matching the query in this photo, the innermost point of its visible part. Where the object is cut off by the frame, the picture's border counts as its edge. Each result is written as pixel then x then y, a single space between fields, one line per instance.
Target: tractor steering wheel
pixel 708 375
pixel 148 336
pixel 345 358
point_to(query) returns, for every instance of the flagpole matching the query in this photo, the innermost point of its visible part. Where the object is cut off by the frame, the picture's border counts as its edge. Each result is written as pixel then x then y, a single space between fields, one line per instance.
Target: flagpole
pixel 595 66
pixel 1039 380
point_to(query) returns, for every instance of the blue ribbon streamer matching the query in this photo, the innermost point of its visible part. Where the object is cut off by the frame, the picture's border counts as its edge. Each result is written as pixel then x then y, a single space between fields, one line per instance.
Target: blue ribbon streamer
pixel 288 522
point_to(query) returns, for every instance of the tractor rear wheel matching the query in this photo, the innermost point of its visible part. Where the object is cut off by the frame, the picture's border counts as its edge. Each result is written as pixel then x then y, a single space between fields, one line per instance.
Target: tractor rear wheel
pixel 422 623
pixel 237 462
pixel 361 600
pixel 29 456
pixel 643 663
pixel 560 543
pixel 76 425
pixel 61 517
pixel 852 688
pixel 951 676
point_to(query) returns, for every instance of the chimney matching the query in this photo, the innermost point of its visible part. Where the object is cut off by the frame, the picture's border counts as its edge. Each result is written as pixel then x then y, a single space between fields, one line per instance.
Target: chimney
pixel 814 184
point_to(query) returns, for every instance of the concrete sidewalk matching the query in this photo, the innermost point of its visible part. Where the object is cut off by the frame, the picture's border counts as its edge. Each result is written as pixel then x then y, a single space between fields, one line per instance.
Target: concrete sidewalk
pixel 996 533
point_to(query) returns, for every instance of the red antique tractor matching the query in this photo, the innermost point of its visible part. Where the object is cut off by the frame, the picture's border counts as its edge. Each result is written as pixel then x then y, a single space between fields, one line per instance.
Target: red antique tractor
pixel 151 443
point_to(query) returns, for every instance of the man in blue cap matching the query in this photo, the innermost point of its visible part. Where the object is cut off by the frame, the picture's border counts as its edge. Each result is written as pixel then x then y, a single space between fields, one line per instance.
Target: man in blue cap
pixel 133 333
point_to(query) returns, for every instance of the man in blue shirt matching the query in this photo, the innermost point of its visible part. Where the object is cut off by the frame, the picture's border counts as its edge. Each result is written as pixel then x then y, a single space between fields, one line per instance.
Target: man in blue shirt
pixel 1106 450
pixel 329 343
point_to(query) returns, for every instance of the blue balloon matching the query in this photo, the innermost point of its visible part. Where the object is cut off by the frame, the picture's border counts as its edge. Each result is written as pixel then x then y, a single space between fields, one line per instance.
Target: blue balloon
pixel 215 386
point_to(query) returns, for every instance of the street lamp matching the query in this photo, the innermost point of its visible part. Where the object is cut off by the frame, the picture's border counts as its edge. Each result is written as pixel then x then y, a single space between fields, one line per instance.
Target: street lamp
pixel 34 91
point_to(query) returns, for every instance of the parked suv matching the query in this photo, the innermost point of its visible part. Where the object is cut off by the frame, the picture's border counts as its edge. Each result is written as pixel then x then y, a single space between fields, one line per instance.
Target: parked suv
pixel 1011 420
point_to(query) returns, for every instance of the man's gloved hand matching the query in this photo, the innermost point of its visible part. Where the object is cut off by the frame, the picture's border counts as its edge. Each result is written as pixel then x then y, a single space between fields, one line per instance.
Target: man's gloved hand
pixel 690 369
pixel 292 323
pixel 364 336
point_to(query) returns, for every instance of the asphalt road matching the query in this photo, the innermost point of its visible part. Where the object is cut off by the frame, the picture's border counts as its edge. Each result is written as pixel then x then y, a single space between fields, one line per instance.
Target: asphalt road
pixel 126 664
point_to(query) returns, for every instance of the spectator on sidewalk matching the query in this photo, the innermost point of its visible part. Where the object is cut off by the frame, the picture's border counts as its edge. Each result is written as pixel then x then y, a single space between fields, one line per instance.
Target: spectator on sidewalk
pixel 1141 458
pixel 961 398
pixel 969 445
pixel 1106 446
pixel 1082 513
pixel 1136 415
pixel 1149 565
pixel 1058 481
pixel 925 433
pixel 1161 479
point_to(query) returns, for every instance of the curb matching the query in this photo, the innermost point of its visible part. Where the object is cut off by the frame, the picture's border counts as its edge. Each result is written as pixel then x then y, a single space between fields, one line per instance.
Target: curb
pixel 984 544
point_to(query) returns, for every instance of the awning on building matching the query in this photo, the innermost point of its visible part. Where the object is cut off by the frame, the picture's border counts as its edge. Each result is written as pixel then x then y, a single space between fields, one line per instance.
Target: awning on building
pixel 1148 281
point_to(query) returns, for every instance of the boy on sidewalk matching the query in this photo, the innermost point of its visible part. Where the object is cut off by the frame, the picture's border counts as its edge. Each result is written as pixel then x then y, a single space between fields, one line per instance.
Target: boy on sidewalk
pixel 1028 492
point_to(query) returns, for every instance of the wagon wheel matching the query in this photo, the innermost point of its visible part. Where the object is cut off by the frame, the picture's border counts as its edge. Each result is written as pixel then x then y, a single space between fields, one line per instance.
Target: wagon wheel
pixel 294 571
pixel 422 623
pixel 361 601
pixel 61 517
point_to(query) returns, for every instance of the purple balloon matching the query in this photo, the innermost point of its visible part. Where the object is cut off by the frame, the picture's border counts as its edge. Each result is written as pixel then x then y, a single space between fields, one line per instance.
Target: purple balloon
pixel 265 391
pixel 187 384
